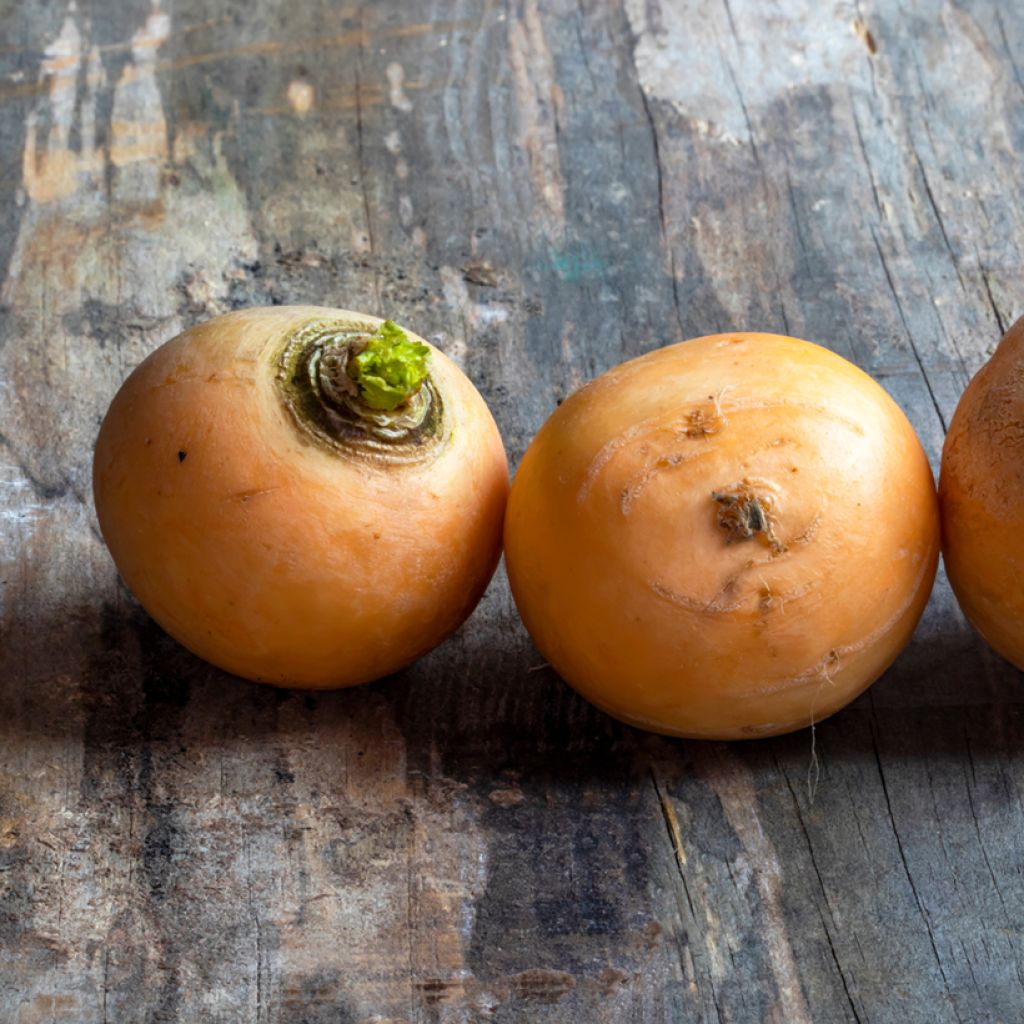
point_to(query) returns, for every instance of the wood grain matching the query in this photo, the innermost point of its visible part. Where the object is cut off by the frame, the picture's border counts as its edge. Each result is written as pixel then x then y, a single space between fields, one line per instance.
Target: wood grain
pixel 545 188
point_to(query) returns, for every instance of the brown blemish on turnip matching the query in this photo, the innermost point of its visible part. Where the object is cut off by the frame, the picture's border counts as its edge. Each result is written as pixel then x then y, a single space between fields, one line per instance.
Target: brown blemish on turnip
pixel 702 421
pixel 700 424
pixel 745 515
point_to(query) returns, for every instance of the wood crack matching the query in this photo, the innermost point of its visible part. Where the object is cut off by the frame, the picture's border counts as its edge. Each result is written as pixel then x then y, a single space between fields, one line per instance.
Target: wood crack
pixel 839 967
pixel 906 869
pixel 580 18
pixel 791 196
pixel 732 22
pixel 662 211
pixel 1017 77
pixel 938 217
pixel 871 52
pixel 747 121
pixel 755 152
pixel 361 159
pixel 907 331
pixel 254 914
pixel 867 161
pixel 829 925
pixel 674 833
pixel 1000 321
pixel 675 836
pixel 984 854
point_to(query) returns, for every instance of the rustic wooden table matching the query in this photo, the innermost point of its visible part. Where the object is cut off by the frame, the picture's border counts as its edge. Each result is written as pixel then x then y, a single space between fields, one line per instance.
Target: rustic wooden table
pixel 545 188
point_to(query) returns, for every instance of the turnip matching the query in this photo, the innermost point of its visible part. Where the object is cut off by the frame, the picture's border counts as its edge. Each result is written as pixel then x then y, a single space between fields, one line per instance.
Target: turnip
pixel 729 537
pixel 303 496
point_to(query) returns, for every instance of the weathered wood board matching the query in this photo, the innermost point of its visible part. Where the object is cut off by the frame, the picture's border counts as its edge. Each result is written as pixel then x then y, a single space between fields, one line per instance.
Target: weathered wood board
pixel 545 188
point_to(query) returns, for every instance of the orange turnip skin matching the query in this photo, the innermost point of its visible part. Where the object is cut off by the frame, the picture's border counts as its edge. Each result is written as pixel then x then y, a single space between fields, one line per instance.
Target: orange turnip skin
pixel 272 555
pixel 638 591
pixel 981 495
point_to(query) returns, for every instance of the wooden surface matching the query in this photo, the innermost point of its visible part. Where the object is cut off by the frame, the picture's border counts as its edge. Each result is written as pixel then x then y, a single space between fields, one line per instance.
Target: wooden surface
pixel 545 188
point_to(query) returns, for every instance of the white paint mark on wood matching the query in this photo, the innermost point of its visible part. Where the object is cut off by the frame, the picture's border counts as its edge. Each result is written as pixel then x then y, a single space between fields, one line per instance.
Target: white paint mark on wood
pixel 396 87
pixel 301 96
pixel 704 60
pixel 138 128
pixel 405 210
pixel 475 315
pixel 50 171
pixel 539 103
pixel 487 313
pixel 456 297
pixel 18 505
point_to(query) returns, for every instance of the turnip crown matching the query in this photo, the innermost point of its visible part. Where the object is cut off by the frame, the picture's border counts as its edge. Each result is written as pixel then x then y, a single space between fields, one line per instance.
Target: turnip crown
pixel 390 368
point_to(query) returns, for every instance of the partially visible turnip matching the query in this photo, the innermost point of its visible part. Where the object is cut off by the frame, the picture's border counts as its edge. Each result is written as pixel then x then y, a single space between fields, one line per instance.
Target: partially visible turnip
pixel 981 495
